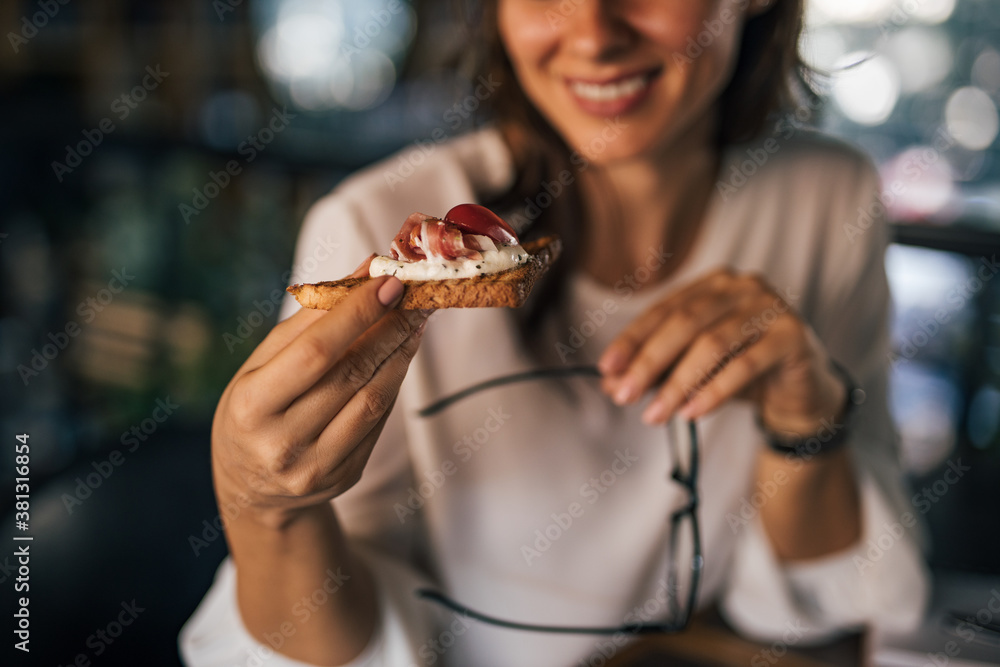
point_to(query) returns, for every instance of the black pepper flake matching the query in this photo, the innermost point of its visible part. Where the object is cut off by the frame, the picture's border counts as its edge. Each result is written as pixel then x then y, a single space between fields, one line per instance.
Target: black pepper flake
pixel 479 266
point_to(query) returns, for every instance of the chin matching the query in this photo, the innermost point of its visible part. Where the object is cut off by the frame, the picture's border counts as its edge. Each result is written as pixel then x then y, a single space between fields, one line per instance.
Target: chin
pixel 615 144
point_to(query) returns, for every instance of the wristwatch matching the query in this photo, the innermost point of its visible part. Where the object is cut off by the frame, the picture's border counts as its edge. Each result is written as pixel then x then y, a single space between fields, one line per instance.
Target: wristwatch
pixel 832 434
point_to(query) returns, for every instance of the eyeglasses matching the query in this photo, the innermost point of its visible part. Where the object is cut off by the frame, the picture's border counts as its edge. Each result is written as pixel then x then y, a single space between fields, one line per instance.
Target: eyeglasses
pixel 683 522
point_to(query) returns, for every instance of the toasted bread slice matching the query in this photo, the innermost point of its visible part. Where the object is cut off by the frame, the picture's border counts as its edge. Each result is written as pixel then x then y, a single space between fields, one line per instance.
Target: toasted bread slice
pixel 508 288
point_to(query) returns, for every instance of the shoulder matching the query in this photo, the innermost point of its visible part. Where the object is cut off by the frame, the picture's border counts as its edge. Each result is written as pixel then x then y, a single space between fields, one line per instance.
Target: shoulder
pixel 825 185
pixel 805 158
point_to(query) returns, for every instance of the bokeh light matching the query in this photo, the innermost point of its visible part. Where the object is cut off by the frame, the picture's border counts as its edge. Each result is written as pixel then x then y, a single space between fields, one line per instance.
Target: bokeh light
pixel 986 71
pixel 918 183
pixel 848 11
pixel 922 55
pixel 866 87
pixel 823 47
pixel 328 54
pixel 971 118
pixel 928 11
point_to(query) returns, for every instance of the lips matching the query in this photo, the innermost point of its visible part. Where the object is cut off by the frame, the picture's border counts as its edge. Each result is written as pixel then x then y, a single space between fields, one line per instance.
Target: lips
pixel 611 96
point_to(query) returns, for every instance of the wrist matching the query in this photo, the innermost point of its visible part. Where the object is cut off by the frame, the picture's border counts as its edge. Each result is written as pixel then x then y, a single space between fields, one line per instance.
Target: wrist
pixel 830 408
pixel 821 432
pixel 243 507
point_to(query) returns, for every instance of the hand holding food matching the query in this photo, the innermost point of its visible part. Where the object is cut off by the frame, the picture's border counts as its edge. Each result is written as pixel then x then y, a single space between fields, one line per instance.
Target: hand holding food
pixel 297 423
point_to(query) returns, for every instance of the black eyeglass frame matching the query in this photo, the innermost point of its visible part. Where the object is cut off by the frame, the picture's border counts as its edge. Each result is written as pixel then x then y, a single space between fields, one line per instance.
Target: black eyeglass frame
pixel 681 616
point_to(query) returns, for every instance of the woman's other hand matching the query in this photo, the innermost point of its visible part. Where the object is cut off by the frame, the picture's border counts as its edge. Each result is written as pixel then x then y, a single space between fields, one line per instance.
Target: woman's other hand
pixel 726 335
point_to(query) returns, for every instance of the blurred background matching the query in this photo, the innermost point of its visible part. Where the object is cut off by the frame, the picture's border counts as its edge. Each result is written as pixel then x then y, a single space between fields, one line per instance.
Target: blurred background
pixel 157 158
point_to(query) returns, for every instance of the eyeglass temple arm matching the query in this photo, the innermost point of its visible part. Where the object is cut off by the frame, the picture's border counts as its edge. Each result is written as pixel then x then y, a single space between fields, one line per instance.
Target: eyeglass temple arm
pixel 634 629
pixel 536 374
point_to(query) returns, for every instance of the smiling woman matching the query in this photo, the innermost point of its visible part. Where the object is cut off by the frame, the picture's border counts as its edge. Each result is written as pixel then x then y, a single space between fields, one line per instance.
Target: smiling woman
pixel 760 322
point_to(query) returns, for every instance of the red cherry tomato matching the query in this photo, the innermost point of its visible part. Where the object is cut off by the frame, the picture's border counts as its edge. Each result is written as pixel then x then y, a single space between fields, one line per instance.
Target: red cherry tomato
pixel 475 219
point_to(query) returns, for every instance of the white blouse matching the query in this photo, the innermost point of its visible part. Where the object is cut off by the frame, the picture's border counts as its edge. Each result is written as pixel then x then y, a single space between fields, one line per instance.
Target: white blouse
pixel 541 502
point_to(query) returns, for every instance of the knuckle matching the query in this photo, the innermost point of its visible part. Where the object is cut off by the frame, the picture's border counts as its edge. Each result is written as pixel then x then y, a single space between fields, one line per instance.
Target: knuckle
pixel 747 365
pixel 359 369
pixel 685 319
pixel 302 484
pixel 717 341
pixel 243 411
pixel 754 279
pixel 374 402
pixel 314 350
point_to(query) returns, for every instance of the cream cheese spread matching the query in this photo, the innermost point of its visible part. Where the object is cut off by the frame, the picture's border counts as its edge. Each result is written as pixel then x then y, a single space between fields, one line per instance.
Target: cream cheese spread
pixel 493 261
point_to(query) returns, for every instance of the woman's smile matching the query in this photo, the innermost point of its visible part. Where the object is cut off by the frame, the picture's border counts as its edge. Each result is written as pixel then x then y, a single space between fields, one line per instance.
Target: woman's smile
pixel 612 96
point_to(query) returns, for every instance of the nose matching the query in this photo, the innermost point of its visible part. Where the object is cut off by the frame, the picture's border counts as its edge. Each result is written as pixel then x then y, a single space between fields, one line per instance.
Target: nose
pixel 596 30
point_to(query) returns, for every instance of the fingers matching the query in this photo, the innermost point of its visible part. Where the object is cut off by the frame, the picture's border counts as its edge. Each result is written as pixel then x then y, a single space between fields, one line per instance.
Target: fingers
pixel 651 349
pixel 720 364
pixel 618 355
pixel 368 406
pixel 281 335
pixel 308 357
pixel 312 411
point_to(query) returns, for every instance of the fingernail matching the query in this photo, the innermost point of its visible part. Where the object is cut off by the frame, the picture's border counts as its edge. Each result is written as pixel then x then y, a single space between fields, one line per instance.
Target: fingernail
pixel 420 329
pixel 655 413
pixel 390 291
pixel 626 392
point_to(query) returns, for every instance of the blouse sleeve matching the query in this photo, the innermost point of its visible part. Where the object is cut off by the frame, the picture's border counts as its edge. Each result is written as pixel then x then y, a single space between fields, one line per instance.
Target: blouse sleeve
pixel 332 242
pixel 883 580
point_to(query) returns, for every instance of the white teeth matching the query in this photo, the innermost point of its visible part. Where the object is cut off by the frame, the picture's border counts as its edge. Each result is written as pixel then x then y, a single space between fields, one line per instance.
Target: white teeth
pixel 610 91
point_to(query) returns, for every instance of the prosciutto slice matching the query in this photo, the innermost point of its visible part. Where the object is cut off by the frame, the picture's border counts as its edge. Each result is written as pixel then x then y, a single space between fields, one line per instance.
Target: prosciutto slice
pixel 426 237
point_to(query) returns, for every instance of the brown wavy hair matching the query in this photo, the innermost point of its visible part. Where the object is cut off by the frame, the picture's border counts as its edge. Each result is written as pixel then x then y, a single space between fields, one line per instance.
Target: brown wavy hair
pixel 769 78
